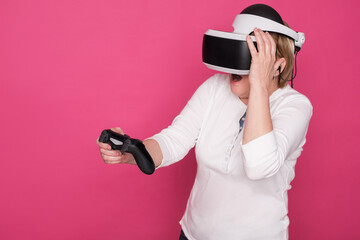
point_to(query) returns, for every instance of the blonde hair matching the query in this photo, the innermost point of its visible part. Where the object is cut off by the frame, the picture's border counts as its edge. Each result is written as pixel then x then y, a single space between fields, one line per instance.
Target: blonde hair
pixel 285 48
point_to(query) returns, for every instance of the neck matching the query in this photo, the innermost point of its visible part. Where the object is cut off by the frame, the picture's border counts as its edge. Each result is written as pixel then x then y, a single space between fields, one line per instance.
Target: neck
pixel 244 100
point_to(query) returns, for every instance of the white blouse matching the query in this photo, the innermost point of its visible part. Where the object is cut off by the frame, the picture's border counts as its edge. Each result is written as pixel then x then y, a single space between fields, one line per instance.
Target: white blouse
pixel 240 191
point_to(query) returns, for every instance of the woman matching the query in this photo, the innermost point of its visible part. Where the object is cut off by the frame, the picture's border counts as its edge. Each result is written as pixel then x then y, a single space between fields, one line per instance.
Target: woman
pixel 244 166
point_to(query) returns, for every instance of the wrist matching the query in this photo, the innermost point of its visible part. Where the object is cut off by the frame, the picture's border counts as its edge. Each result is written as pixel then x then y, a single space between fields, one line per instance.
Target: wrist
pixel 259 89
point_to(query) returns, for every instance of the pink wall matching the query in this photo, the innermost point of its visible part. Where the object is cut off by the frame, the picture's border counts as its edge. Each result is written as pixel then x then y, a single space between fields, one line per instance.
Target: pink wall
pixel 69 69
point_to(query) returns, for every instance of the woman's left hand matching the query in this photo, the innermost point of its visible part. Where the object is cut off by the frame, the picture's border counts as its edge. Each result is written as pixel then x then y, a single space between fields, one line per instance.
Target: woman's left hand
pixel 263 64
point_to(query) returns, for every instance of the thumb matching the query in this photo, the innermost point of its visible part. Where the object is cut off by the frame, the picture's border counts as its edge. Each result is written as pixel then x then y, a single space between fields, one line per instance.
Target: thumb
pixel 117 130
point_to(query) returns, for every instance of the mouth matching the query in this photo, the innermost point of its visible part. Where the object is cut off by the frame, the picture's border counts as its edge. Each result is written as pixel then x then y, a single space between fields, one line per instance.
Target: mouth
pixel 235 77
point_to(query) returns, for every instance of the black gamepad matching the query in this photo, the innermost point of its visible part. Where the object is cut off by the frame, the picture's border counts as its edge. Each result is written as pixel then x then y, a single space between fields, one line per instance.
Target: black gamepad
pixel 134 146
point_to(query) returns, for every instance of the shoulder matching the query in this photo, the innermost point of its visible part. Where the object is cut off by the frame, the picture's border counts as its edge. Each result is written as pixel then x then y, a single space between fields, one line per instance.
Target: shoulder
pixel 217 80
pixel 216 84
pixel 287 101
pixel 288 96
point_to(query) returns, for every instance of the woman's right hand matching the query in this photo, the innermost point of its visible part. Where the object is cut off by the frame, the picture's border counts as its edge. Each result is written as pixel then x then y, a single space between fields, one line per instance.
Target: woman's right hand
pixel 114 156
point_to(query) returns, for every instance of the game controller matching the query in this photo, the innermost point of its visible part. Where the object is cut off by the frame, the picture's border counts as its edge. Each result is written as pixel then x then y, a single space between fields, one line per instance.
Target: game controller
pixel 130 145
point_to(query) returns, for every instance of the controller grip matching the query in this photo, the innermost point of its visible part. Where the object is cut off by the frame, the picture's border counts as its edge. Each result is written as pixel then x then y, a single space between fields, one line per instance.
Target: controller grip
pixel 142 157
pixel 130 145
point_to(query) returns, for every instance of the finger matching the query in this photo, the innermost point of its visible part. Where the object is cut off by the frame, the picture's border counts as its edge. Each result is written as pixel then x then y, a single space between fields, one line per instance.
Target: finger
pixel 118 130
pixel 112 162
pixel 272 44
pixel 259 40
pixel 267 43
pixel 112 158
pixel 110 152
pixel 251 46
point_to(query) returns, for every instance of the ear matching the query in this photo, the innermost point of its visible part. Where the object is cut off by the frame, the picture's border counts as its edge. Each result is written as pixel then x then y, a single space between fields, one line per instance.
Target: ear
pixel 280 65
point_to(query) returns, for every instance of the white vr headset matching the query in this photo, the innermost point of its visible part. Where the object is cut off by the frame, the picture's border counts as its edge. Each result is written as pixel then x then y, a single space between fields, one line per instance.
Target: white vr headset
pixel 229 52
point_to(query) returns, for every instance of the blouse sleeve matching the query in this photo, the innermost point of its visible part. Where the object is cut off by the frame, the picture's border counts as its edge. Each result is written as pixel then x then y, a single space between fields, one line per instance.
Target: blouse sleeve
pixel 266 154
pixel 176 140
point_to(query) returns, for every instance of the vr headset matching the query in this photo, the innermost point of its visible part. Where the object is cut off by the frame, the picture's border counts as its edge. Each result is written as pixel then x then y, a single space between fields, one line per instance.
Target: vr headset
pixel 229 52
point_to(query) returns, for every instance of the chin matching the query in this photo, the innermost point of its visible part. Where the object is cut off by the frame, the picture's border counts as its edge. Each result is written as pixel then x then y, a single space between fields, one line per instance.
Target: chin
pixel 240 88
pixel 238 92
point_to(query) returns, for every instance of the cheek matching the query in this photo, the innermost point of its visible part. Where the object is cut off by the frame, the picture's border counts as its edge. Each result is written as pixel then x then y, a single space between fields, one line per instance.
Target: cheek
pixel 240 89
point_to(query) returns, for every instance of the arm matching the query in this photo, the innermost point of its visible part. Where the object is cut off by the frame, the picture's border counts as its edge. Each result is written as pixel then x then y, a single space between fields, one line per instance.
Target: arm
pixel 258 119
pixel 265 155
pixel 268 142
pixel 153 147
pixel 111 156
pixel 176 140
pixel 262 84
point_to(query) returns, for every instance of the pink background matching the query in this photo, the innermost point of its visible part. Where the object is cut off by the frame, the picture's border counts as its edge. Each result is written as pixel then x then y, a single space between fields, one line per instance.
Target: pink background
pixel 70 68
